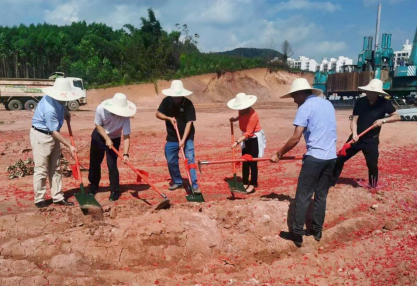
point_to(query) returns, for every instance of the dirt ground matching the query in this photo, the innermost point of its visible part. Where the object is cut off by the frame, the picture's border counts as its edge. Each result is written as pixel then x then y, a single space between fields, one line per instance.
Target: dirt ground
pixel 231 239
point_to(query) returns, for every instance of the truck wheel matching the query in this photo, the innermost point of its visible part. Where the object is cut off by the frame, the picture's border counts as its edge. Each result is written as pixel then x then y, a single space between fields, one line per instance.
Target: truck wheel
pixel 407 118
pixel 30 105
pixel 15 105
pixel 73 106
pixel 402 118
pixel 414 118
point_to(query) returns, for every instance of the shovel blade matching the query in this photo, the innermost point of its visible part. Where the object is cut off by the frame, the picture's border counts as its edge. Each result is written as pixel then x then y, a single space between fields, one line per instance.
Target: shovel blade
pixel 236 186
pixel 196 197
pixel 87 202
pixel 163 205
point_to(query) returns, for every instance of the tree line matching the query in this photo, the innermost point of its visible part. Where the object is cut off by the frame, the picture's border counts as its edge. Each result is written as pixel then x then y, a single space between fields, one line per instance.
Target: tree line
pixel 102 55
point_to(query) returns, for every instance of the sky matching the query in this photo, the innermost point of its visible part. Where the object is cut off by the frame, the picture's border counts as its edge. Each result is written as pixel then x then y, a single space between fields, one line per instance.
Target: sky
pixel 314 28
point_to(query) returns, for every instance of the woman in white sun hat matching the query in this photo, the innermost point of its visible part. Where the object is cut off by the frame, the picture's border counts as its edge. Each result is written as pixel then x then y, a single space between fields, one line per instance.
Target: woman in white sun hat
pixel 111 120
pixel 46 139
pixel 176 108
pixel 253 141
pixel 368 111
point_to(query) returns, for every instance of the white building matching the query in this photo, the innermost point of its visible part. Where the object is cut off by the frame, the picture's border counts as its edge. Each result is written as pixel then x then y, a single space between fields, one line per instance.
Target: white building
pixel 307 64
pixel 303 63
pixel 335 64
pixel 401 57
pixel 342 61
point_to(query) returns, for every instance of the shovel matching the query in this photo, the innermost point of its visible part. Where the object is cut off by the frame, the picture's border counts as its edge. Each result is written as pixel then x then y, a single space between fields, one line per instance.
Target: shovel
pixel 234 185
pixel 342 151
pixel 87 202
pixel 244 159
pixel 193 197
pixel 141 174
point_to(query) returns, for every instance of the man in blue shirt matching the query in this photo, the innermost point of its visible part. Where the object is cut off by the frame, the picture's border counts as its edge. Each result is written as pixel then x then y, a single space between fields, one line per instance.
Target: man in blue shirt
pixel 315 119
pixel 45 140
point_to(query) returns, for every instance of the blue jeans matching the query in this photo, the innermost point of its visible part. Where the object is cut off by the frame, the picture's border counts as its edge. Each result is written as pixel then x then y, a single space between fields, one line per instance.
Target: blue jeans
pixel 171 154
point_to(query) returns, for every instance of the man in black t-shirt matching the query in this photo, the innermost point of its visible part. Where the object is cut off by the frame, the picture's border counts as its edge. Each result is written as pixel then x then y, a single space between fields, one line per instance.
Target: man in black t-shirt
pixel 175 108
pixel 368 111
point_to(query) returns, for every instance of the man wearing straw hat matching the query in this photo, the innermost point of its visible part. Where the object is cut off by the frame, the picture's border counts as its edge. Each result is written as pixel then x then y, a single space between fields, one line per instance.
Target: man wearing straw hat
pixel 368 111
pixel 315 119
pixel 111 120
pixel 176 108
pixel 46 139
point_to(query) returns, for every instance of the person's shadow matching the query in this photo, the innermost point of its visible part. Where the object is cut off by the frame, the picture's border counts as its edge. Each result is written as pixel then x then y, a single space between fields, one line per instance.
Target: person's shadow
pixel 136 188
pixel 348 181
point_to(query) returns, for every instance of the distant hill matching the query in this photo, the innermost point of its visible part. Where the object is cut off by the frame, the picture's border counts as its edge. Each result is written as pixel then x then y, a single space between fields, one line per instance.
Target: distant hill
pixel 267 54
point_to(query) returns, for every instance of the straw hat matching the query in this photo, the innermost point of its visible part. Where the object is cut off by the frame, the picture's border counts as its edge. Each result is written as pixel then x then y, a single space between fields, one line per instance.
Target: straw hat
pixel 176 90
pixel 301 84
pixel 242 101
pixel 374 85
pixel 62 91
pixel 119 105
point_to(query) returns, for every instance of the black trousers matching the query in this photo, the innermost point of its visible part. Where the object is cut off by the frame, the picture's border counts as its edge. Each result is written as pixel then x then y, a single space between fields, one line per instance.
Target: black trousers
pixel 252 148
pixel 97 150
pixel 369 148
pixel 314 179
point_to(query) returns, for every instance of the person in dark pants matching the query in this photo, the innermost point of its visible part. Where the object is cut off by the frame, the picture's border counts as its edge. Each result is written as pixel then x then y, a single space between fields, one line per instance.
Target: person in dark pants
pixel 177 109
pixel 368 111
pixel 315 119
pixel 253 139
pixel 112 119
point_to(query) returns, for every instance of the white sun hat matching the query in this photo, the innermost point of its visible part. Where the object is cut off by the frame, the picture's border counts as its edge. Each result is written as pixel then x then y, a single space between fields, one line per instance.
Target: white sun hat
pixel 62 91
pixel 242 101
pixel 301 84
pixel 119 105
pixel 176 90
pixel 375 85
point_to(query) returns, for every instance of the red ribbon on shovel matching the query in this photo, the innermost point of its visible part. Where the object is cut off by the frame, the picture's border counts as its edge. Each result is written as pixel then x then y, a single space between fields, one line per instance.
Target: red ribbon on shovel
pixel 189 166
pixel 143 174
pixel 342 151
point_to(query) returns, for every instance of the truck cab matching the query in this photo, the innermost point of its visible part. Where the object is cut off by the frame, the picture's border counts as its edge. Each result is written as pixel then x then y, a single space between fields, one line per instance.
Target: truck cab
pixel 18 94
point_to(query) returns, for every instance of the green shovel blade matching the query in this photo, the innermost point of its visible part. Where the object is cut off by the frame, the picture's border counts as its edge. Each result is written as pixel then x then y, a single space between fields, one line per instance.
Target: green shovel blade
pixel 196 197
pixel 87 201
pixel 236 186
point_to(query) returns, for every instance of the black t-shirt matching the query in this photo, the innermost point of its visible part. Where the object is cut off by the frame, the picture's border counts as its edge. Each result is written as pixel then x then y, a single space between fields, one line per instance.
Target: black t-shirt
pixel 183 113
pixel 368 114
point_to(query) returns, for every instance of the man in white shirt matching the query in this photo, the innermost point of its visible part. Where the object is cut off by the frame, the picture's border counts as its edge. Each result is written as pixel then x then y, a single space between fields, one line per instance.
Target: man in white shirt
pixel 111 120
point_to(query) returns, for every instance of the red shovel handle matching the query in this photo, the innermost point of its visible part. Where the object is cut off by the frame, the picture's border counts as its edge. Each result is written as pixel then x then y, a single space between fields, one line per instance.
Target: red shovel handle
pixel 77 164
pixel 232 141
pixel 342 151
pixel 183 154
pixel 143 176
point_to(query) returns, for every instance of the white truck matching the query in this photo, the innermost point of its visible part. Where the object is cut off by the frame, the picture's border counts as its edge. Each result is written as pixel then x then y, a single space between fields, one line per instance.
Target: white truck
pixel 18 94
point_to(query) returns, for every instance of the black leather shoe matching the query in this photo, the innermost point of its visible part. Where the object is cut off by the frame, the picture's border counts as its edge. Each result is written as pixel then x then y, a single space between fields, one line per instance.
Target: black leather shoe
pixel 297 239
pixel 114 196
pixel 93 189
pixel 64 203
pixel 316 234
pixel 41 204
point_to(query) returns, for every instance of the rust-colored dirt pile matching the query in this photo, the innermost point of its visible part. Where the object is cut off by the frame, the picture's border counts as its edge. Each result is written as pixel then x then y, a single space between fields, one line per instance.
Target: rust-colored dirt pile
pixel 368 239
pixel 209 88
